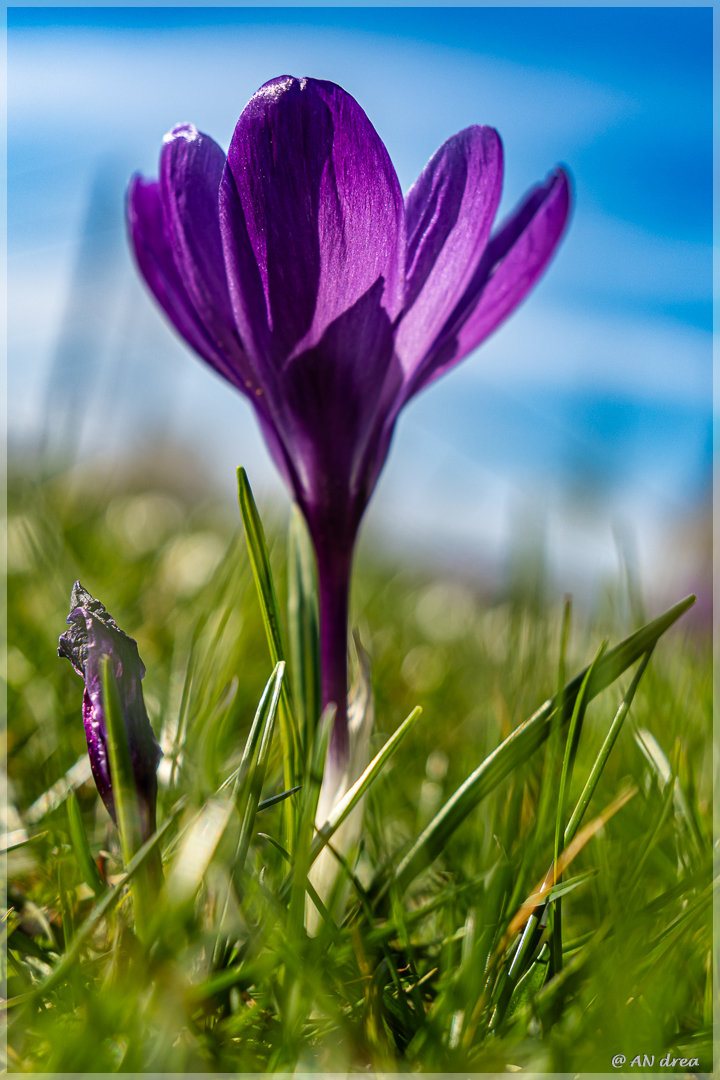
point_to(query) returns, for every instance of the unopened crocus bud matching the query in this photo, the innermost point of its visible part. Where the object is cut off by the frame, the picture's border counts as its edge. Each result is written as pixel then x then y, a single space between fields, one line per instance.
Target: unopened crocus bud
pixel 94 634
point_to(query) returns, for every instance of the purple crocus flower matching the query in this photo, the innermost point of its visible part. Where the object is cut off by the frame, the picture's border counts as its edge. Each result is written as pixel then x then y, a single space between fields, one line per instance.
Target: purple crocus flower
pixel 296 269
pixel 94 634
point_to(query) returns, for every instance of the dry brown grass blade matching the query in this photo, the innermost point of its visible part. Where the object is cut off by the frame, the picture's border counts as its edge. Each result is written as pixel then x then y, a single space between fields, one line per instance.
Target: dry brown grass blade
pixel 556 871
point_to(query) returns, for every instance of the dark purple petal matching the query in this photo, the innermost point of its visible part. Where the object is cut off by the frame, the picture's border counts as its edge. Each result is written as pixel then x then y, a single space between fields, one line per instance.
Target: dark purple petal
pixel 449 212
pixel 95 735
pixel 514 260
pixel 157 236
pixel 311 216
pixel 517 257
pixel 175 233
pixel 191 167
pixel 334 402
pixel 331 402
pixel 93 635
pixel 154 256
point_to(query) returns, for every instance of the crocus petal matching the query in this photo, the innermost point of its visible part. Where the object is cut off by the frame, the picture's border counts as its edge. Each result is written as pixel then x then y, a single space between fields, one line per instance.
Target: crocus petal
pixel 330 404
pixel 449 212
pixel 513 261
pixel 311 216
pixel 94 724
pixel 191 167
pixel 156 262
pixel 517 257
pixel 175 233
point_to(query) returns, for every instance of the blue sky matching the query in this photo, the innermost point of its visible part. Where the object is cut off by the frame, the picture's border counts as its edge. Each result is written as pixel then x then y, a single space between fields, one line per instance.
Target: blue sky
pixel 599 385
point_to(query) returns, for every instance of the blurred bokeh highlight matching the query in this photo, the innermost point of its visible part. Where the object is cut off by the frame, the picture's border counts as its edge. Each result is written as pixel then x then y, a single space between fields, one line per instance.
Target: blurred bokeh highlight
pixel 585 422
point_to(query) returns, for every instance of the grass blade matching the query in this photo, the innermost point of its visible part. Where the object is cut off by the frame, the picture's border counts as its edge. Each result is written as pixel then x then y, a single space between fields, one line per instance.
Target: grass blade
pixel 531 916
pixel 247 782
pixel 56 795
pixel 262 574
pixel 525 740
pixel 81 846
pixel 600 761
pixel 544 887
pixel 341 810
pixel 571 745
pixel 256 775
pixel 552 753
pixel 269 699
pixel 571 742
pixel 664 772
pixel 273 800
pixel 106 903
pixel 317 752
pixel 260 560
pixel 123 780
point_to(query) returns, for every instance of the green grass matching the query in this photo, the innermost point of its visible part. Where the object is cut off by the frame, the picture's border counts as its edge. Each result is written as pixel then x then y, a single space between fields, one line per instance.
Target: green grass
pixel 433 963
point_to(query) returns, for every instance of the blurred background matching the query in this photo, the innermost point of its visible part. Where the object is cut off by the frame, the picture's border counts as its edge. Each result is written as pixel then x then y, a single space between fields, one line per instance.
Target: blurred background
pixel 582 428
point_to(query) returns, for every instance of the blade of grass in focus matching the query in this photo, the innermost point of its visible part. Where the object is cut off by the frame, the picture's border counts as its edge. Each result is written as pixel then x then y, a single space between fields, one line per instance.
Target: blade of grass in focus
pixel 532 914
pixel 535 918
pixel 571 745
pixel 341 810
pixel 525 740
pixel 604 752
pixel 371 774
pixel 262 573
pixel 255 776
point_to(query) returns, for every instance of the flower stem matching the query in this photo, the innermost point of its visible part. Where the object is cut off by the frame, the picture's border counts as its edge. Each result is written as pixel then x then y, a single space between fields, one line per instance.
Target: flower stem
pixel 334 595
